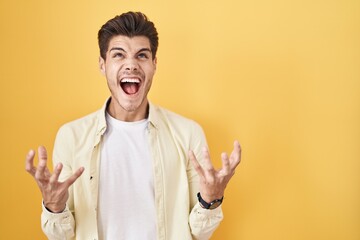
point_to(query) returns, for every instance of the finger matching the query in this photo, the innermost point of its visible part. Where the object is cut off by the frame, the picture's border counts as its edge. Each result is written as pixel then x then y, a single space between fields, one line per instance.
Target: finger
pixel 29 162
pixel 42 158
pixel 42 170
pixel 55 176
pixel 207 162
pixel 74 177
pixel 195 163
pixel 235 156
pixel 225 163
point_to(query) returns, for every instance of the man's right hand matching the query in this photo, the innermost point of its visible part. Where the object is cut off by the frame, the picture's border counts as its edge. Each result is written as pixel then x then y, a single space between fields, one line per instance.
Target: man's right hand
pixel 54 193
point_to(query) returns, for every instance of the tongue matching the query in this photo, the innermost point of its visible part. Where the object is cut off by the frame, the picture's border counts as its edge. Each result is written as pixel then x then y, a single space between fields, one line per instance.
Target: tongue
pixel 130 88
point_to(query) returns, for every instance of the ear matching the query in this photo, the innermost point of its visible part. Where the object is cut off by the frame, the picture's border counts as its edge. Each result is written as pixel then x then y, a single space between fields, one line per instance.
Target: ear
pixel 102 66
pixel 155 62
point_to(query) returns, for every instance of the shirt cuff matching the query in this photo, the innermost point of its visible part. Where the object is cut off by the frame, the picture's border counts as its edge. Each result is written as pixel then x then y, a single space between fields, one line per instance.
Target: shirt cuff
pixel 207 212
pixel 62 216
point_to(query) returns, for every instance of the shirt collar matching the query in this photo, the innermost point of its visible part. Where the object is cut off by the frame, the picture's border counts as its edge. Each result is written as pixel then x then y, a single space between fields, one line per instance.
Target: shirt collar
pixel 152 117
pixel 101 128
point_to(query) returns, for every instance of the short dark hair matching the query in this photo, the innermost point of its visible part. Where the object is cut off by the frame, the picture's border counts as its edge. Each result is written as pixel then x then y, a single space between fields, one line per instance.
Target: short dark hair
pixel 128 24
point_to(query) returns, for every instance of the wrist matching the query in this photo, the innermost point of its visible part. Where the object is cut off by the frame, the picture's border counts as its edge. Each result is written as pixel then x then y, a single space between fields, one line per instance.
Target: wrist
pixel 210 198
pixel 209 204
pixel 53 208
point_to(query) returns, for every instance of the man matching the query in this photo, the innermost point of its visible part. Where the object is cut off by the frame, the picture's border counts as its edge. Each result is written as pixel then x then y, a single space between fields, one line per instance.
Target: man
pixel 140 175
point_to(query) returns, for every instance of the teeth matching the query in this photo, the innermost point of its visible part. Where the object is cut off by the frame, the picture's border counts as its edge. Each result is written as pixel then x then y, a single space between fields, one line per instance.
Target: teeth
pixel 130 80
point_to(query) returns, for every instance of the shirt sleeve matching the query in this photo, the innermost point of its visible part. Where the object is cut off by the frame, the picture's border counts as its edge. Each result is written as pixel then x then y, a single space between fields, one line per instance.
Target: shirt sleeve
pixel 61 225
pixel 203 222
pixel 58 226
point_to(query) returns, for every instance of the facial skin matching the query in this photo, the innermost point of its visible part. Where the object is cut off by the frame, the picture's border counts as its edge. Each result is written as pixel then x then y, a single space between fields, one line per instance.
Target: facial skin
pixel 129 69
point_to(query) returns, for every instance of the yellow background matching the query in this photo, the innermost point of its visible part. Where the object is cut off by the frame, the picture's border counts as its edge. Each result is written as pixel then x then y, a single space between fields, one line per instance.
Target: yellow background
pixel 283 77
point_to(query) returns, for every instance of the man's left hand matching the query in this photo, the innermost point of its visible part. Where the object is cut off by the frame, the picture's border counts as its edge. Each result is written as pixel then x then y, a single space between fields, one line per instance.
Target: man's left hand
pixel 213 182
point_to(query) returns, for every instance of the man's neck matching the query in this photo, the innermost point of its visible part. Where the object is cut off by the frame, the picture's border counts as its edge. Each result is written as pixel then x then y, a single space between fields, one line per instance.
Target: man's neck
pixel 118 112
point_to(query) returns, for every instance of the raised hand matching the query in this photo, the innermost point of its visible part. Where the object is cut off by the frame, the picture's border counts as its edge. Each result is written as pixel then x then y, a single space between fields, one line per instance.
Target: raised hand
pixel 213 182
pixel 54 193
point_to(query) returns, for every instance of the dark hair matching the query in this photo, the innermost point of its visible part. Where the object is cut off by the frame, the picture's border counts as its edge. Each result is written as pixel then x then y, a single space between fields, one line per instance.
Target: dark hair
pixel 128 24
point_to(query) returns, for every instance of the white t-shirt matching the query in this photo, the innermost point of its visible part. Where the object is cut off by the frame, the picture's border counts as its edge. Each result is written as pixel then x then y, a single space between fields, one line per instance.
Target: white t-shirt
pixel 126 207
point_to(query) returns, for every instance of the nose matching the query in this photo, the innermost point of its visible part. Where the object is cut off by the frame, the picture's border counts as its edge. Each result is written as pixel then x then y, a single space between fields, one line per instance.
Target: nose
pixel 131 65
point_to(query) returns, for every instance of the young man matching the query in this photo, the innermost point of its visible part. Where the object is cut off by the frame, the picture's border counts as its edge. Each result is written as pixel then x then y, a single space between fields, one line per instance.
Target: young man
pixel 140 175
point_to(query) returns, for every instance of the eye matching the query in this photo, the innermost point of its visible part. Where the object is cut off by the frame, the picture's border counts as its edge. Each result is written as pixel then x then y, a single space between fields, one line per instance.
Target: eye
pixel 143 56
pixel 118 55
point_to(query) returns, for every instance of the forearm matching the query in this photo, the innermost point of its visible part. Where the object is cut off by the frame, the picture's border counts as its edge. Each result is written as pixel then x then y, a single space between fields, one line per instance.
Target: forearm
pixel 61 225
pixel 203 222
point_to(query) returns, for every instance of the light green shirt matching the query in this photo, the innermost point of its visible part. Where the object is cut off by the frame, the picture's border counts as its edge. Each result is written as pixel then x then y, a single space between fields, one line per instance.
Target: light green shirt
pixel 176 183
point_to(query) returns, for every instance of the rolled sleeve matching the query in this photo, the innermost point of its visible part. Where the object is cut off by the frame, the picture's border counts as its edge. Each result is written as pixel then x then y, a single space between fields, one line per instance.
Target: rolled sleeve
pixel 58 225
pixel 203 222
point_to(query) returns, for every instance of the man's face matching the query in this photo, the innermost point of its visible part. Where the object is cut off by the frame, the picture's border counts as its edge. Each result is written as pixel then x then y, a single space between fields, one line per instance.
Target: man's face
pixel 129 68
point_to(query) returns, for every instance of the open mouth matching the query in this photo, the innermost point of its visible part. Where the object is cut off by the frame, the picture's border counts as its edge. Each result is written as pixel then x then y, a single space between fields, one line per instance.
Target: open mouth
pixel 130 85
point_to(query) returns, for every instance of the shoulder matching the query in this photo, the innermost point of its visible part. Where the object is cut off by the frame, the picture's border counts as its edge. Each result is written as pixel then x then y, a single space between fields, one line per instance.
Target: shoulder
pixel 183 131
pixel 83 126
pixel 178 126
pixel 83 122
pixel 163 115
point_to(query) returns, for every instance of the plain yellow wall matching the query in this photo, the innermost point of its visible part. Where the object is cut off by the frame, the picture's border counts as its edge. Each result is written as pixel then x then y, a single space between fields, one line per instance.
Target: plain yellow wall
pixel 283 77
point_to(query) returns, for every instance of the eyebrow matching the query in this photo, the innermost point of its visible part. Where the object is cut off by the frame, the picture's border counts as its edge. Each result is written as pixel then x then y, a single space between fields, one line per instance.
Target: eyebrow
pixel 121 49
pixel 116 48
